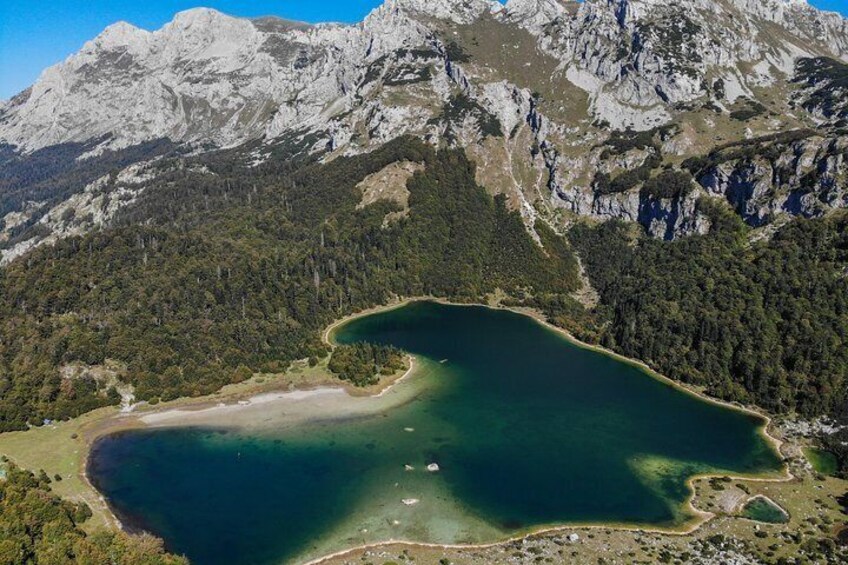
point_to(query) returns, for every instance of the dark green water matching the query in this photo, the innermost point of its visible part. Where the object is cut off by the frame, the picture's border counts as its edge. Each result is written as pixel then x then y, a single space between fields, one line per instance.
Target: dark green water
pixel 528 430
pixel 764 510
pixel 823 462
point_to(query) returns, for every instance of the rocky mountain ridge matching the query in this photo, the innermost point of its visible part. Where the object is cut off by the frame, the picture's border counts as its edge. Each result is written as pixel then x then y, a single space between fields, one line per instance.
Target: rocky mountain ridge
pixel 571 109
pixel 214 78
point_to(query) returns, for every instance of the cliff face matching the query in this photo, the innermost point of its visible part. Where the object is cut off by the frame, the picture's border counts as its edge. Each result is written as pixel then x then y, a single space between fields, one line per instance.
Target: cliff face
pixel 571 109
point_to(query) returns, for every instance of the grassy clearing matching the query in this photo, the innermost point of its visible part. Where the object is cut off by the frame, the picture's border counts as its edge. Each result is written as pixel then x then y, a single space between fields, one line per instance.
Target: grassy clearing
pixel 823 462
pixel 62 448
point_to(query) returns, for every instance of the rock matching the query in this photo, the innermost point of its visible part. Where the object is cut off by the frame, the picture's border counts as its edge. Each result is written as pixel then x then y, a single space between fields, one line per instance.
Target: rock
pixel 573 538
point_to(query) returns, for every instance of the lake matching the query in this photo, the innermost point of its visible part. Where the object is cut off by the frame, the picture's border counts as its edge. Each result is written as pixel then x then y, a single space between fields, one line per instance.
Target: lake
pixel 528 430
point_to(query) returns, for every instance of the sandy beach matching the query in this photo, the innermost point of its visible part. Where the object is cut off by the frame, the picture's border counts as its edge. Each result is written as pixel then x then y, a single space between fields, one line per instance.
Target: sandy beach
pixel 269 409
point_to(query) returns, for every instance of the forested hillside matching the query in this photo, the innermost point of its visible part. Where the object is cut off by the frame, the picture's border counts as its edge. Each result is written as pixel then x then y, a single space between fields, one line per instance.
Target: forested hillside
pixel 241 268
pixel 39 528
pixel 244 269
pixel 763 322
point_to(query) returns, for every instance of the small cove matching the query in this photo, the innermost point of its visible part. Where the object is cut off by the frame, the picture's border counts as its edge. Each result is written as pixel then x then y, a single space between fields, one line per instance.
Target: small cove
pixel 528 430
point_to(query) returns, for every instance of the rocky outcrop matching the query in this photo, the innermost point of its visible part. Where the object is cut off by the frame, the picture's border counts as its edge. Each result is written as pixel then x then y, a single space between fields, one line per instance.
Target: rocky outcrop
pixel 636 57
pixel 806 177
pixel 205 77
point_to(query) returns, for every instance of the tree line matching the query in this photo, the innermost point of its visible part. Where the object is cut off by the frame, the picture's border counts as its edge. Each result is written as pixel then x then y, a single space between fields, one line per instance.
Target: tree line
pixel 763 322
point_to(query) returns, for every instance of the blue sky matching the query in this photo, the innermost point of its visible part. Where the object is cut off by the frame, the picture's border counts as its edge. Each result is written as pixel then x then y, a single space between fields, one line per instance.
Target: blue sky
pixel 35 34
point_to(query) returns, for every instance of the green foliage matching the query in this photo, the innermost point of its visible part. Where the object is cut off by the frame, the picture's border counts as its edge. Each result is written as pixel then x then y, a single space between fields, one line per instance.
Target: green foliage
pixel 363 363
pixel 240 271
pixel 668 184
pixel 628 179
pixel 837 444
pixel 764 323
pixel 673 36
pixel 622 141
pixel 408 74
pixel 454 52
pixel 52 174
pixel 748 110
pixel 768 147
pixel 37 527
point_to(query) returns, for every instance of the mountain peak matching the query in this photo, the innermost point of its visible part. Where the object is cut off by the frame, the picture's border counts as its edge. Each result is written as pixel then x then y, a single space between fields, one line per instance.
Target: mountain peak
pixel 201 16
pixel 120 34
pixel 457 11
pixel 210 76
pixel 535 13
pixel 532 6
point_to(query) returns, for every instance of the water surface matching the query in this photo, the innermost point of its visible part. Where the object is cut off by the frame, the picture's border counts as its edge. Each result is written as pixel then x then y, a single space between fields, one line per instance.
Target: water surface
pixel 527 428
pixel 762 509
pixel 823 461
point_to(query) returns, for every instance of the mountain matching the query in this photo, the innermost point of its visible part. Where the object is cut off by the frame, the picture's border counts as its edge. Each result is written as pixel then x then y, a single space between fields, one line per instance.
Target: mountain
pixel 629 109
pixel 207 77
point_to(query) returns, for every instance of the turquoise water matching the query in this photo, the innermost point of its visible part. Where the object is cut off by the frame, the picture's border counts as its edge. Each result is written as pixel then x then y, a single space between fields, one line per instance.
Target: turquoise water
pixel 528 430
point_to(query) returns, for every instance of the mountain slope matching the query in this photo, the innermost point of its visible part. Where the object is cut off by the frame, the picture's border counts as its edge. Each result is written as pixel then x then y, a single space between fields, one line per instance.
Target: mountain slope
pixel 210 77
pixel 540 93
pixel 244 268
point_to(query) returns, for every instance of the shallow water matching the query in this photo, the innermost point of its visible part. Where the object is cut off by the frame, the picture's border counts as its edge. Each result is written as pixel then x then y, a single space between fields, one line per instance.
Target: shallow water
pixel 823 462
pixel 528 430
pixel 764 510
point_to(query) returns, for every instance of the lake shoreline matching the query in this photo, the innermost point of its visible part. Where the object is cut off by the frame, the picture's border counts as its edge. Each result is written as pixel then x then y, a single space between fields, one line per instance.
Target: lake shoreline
pixel 539 317
pixel 700 517
pixel 184 412
pixel 181 412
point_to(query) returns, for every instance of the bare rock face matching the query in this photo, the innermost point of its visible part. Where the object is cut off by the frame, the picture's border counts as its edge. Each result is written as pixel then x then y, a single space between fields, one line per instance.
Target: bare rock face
pixel 571 108
pixel 209 77
pixel 805 177
pixel 636 57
